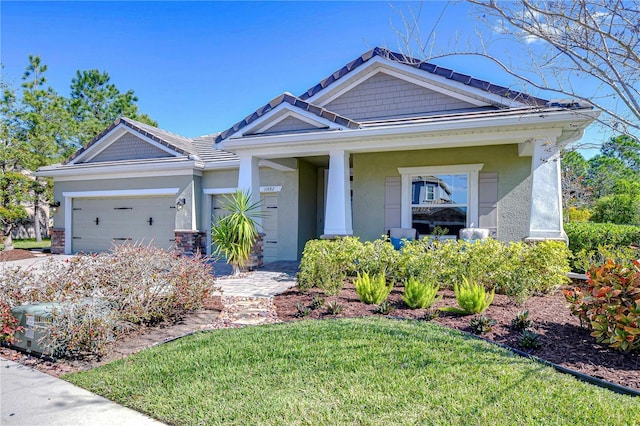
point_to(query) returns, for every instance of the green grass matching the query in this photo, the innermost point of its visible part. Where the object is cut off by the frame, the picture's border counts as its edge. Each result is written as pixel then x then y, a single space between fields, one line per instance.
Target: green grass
pixel 30 243
pixel 373 371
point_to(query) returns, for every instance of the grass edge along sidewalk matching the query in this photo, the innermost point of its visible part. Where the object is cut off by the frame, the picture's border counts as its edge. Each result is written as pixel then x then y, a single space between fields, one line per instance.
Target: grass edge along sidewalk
pixel 363 371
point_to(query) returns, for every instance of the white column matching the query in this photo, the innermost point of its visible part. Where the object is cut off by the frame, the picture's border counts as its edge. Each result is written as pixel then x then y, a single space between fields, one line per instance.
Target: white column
pixel 337 218
pixel 249 178
pixel 545 221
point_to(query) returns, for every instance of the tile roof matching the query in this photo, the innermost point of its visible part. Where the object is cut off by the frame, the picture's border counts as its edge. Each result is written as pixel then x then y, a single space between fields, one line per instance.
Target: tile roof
pixel 428 67
pixel 292 100
pixel 206 151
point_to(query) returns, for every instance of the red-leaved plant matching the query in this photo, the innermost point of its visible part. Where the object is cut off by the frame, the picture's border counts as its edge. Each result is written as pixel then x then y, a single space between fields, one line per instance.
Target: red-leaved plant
pixel 8 324
pixel 610 305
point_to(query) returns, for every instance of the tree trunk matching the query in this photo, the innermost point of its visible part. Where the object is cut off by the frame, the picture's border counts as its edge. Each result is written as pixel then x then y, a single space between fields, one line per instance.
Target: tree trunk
pixel 8 241
pixel 36 218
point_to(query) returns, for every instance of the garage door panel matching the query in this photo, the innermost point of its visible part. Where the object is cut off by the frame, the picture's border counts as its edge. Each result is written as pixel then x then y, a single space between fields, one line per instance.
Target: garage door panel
pixel 98 224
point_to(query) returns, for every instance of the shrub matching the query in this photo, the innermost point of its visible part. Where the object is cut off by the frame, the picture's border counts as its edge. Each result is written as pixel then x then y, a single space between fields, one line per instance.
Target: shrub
pixel 431 314
pixel 302 311
pixel 326 264
pixel 575 214
pixel 521 322
pixel 104 295
pixel 420 294
pixel 418 260
pixel 584 259
pixel 532 268
pixel 481 324
pixel 610 305
pixel 589 236
pixel 372 289
pixel 376 257
pixel 8 324
pixel 622 209
pixel 529 340
pixel 471 297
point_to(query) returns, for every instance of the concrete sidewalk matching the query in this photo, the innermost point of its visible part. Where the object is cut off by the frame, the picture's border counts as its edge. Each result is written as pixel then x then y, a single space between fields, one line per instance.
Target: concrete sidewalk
pixel 30 397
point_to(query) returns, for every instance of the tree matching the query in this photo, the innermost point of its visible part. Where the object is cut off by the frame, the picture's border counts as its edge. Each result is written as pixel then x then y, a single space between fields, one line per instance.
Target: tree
pixel 575 190
pixel 614 163
pixel 45 129
pixel 96 103
pixel 15 191
pixel 569 44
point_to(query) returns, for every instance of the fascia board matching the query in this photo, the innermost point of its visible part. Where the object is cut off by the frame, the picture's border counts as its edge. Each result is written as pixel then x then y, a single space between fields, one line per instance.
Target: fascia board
pixel 416 76
pixel 122 170
pixel 486 125
pixel 122 193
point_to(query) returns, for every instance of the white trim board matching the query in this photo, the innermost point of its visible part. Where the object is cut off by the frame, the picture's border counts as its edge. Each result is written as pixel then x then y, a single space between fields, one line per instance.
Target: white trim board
pixel 221 191
pixel 122 193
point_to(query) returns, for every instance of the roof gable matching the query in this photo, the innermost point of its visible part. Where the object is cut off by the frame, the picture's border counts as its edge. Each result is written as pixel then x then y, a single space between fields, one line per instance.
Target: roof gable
pixel 102 148
pixel 283 107
pixel 439 78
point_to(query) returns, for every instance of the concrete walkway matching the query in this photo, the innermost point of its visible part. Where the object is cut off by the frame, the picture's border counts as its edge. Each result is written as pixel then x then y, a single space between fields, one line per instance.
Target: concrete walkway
pixel 30 397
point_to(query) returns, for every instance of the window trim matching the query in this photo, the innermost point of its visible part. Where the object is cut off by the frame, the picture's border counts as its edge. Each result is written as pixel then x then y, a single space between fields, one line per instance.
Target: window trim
pixel 473 175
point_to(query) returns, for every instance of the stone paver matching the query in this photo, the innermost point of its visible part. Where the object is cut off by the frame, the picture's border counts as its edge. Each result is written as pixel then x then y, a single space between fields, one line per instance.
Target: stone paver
pixel 274 278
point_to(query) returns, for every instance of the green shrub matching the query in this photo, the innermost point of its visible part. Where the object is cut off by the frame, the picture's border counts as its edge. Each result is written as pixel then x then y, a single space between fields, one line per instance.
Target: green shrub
pixel 471 297
pixel 385 308
pixel 375 257
pixel 372 289
pixel 622 209
pixel 521 322
pixel 481 324
pixel 530 340
pixel 334 308
pixel 610 305
pixel 420 294
pixel 326 264
pixel 589 236
pixel 417 259
pixel 584 259
pixel 317 302
pixel 532 268
pixel 575 214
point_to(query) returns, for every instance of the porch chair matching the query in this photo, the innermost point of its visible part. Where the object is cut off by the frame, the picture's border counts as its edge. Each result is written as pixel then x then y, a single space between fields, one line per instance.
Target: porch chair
pixel 398 235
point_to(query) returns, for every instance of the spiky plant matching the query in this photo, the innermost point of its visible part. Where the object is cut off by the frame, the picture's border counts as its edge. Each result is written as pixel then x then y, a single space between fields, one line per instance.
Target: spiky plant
pixel 234 235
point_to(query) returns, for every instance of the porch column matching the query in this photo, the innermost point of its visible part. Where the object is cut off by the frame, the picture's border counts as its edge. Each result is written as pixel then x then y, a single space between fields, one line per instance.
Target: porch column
pixel 545 221
pixel 249 178
pixel 337 218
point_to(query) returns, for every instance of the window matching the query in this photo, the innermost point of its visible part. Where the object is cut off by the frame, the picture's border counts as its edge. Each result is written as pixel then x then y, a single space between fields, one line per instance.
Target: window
pixel 441 196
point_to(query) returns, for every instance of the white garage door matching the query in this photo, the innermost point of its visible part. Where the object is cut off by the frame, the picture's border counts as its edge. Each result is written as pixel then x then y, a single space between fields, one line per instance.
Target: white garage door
pixel 269 222
pixel 99 223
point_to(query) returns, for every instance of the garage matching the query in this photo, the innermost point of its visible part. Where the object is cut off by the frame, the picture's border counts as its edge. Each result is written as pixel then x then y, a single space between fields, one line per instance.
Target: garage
pixel 99 223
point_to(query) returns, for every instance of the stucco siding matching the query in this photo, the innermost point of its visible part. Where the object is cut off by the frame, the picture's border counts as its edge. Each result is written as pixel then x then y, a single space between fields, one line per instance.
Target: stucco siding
pixel 287 203
pixel 291 124
pixel 129 147
pixel 384 96
pixel 370 172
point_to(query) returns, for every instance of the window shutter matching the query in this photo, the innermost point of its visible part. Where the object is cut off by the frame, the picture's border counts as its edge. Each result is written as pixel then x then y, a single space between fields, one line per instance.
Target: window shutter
pixel 392 195
pixel 488 202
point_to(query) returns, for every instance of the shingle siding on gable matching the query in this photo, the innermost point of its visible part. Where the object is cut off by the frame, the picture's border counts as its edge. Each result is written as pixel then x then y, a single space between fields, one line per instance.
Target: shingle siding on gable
pixel 129 147
pixel 291 124
pixel 384 96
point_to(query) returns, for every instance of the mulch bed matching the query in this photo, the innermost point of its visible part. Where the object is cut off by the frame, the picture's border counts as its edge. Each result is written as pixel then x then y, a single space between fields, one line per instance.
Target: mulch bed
pixel 564 342
pixel 15 254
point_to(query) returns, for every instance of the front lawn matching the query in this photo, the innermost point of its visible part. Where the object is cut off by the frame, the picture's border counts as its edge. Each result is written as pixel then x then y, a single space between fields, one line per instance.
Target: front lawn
pixel 30 243
pixel 351 371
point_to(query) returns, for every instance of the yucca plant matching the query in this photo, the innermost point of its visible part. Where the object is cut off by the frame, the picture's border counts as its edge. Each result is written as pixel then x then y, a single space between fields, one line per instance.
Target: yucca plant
pixel 420 294
pixel 234 235
pixel 471 297
pixel 372 290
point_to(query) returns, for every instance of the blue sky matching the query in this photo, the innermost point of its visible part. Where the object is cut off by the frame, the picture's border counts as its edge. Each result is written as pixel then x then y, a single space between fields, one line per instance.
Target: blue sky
pixel 198 67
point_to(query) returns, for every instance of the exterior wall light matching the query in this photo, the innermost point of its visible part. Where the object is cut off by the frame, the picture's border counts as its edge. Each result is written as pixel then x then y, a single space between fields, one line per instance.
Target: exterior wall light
pixel 180 202
pixel 54 207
